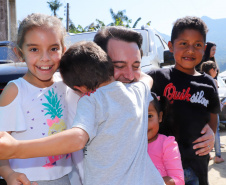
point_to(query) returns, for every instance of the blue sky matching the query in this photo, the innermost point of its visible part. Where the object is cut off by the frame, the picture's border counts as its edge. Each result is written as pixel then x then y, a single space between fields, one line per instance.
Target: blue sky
pixel 161 13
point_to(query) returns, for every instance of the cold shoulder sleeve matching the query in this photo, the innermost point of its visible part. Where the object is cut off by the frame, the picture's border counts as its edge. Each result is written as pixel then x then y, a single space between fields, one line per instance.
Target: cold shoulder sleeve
pixel 172 160
pixel 12 117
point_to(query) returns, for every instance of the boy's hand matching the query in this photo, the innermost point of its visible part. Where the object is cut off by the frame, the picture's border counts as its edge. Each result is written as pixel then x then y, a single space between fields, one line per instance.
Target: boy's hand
pixel 146 79
pixel 8 146
pixel 206 142
pixel 16 178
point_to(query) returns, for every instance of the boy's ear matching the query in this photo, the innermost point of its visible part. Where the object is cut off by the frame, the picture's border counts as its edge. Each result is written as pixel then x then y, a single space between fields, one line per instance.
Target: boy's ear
pixel 160 116
pixel 82 89
pixel 170 45
pixel 205 47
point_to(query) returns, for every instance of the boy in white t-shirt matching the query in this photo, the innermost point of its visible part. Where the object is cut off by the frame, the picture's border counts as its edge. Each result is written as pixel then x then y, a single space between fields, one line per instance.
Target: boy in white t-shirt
pixel 111 123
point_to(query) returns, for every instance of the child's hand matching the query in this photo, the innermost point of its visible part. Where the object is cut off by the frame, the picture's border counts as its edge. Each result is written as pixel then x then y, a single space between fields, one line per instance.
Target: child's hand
pixel 146 79
pixel 16 178
pixel 8 146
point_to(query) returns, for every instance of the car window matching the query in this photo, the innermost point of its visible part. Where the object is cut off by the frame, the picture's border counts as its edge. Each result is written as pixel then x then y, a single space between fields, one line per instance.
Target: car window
pixel 160 46
pixel 7 55
pixel 145 46
pixel 220 82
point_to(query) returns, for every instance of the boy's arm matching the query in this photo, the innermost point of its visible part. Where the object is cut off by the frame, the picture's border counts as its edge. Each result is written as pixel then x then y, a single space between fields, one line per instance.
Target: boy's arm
pixel 206 142
pixel 61 143
pixel 146 79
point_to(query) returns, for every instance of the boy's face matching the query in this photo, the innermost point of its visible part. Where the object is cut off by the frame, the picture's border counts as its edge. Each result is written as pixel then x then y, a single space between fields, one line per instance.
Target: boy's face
pixel 188 50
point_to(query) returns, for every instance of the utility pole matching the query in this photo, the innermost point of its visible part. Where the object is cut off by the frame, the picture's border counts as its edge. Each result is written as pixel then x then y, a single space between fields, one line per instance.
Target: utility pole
pixel 67 21
pixel 8 24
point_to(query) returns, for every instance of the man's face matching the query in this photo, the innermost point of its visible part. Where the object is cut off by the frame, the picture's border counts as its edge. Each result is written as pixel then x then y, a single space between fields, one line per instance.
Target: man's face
pixel 126 59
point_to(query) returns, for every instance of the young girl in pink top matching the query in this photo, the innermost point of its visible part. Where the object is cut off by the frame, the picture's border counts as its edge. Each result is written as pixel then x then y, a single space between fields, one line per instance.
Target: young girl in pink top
pixel 163 150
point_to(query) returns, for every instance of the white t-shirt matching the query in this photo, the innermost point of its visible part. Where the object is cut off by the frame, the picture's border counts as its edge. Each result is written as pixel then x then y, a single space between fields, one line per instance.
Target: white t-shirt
pixel 37 113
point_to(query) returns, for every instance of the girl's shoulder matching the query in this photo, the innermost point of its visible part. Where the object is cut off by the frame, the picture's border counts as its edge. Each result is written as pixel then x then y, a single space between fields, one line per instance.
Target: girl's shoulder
pixel 167 141
pixel 9 93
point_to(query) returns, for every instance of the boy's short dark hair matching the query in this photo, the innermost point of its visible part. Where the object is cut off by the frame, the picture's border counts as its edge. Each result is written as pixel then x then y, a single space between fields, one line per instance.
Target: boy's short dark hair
pixel 85 64
pixel 119 33
pixel 206 66
pixel 188 22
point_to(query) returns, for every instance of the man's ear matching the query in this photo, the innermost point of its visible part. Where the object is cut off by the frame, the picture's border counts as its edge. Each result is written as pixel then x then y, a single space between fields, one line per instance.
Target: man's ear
pixel 170 45
pixel 18 54
pixel 160 116
pixel 65 48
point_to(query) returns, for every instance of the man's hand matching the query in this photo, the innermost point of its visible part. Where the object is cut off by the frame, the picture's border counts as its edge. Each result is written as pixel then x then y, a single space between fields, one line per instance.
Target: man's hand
pixel 16 178
pixel 8 146
pixel 206 142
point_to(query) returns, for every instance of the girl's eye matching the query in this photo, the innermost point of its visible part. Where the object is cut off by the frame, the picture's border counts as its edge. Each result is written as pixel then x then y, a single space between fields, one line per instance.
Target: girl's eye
pixel 54 49
pixel 150 116
pixel 33 49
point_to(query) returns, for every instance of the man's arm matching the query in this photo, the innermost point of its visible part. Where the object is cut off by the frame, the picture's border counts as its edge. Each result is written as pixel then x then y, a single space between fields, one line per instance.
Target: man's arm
pixel 206 142
pixel 61 143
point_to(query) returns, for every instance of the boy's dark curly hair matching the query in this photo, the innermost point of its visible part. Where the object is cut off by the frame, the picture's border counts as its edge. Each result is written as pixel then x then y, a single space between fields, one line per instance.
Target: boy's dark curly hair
pixel 188 22
pixel 85 64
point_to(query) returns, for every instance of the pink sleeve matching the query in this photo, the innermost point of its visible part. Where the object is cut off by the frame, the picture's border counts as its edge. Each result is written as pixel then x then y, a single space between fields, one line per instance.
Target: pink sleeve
pixel 172 160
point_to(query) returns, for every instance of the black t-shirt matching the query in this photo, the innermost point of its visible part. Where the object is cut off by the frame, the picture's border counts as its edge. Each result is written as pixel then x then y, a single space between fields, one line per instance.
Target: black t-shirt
pixel 192 99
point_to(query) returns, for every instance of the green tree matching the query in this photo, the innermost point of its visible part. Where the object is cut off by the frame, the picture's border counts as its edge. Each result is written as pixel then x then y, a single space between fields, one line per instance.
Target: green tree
pixel 120 19
pixel 54 5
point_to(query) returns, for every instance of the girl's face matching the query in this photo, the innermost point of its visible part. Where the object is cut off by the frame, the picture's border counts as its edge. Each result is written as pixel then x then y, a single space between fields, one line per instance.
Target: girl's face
pixel 153 122
pixel 42 51
pixel 213 72
pixel 213 51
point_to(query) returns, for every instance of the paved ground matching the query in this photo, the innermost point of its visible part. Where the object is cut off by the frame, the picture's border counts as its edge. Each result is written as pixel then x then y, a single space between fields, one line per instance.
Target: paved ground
pixel 217 172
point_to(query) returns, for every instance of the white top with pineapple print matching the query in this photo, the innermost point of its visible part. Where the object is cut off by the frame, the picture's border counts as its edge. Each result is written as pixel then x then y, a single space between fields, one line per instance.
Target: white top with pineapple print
pixel 36 113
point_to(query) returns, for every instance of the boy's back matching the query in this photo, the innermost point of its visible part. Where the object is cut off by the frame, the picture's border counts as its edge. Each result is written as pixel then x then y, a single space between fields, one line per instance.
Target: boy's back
pixel 115 118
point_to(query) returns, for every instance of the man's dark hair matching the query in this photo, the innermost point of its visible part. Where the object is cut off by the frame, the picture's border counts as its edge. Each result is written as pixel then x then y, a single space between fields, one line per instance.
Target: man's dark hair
pixel 206 66
pixel 118 33
pixel 188 22
pixel 85 64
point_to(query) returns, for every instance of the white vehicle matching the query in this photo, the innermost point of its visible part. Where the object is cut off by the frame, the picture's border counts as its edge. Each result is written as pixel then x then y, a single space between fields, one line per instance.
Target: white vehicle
pixel 155 50
pixel 155 54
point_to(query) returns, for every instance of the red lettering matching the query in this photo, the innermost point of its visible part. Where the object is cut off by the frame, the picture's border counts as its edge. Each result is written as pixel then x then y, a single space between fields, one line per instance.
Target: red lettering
pixel 172 94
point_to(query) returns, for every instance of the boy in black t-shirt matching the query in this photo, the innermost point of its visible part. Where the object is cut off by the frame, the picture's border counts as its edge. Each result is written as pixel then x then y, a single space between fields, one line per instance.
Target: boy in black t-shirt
pixel 193 96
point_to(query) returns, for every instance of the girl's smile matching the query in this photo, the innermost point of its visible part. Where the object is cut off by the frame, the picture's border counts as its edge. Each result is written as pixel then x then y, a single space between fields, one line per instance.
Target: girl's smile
pixel 42 51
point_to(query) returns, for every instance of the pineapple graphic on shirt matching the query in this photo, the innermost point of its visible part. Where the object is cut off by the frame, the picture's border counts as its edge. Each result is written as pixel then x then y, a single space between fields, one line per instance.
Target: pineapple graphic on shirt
pixel 54 109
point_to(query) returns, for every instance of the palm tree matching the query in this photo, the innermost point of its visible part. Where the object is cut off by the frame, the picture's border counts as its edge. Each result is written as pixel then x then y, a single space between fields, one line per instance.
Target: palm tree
pixel 135 24
pixel 120 19
pixel 54 5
